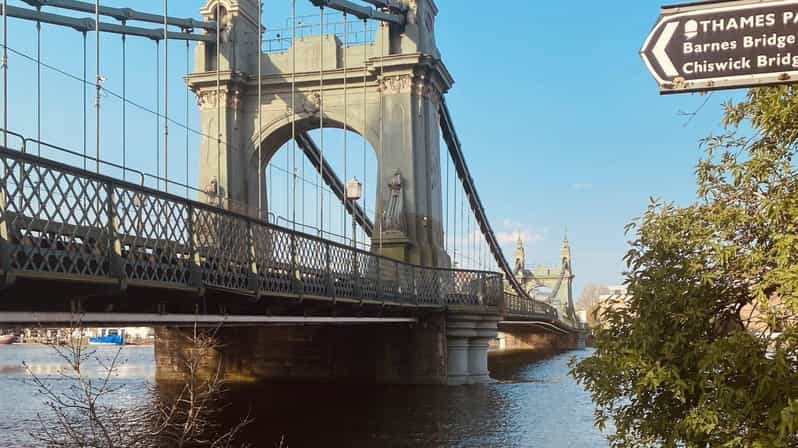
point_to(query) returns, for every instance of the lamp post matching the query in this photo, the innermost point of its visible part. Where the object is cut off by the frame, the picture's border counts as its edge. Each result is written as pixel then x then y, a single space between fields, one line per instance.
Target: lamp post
pixel 354 189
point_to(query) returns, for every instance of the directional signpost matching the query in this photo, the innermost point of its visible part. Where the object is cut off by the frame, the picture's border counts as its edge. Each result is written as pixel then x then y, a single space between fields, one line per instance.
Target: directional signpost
pixel 724 45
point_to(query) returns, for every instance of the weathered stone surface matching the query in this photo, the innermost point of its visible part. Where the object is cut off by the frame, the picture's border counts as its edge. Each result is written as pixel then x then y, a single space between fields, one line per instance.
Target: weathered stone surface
pixel 535 341
pixel 468 337
pixel 385 354
pixel 389 93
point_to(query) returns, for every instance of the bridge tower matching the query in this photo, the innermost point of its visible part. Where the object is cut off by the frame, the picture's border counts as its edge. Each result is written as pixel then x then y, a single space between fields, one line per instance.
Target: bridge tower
pixel 395 86
pixel 560 279
pixel 520 257
pixel 565 296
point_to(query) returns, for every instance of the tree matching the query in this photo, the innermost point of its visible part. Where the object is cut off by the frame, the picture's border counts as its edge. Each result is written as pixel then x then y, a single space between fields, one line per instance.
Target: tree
pixel 705 352
pixel 83 412
pixel 589 297
pixel 589 300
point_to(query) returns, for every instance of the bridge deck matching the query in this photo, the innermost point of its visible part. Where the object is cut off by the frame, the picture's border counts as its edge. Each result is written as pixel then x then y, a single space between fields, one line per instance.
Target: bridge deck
pixel 58 222
pixel 62 226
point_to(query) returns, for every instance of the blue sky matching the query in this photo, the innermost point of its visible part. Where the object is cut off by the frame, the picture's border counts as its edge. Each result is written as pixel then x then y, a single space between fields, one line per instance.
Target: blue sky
pixel 572 120
pixel 561 123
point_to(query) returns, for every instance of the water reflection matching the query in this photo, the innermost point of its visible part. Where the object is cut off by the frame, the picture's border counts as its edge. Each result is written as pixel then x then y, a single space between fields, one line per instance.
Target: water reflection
pixel 24 406
pixel 533 403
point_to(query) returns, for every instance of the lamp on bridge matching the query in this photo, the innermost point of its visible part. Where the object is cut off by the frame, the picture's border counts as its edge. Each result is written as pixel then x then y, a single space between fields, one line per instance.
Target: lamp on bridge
pixel 354 190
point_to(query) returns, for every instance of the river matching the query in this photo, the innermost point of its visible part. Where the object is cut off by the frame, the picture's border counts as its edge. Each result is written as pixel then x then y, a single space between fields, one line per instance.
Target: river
pixel 532 403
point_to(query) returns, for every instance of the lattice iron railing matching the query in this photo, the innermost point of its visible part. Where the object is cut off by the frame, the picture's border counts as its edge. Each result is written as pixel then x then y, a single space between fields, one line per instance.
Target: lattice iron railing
pixel 68 223
pixel 515 305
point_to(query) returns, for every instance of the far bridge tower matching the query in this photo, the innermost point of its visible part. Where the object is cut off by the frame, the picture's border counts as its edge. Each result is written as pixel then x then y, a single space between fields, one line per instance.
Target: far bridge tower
pixel 557 280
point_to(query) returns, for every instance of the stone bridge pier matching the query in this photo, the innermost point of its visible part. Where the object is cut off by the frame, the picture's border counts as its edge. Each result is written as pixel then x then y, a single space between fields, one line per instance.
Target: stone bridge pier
pixel 535 336
pixel 437 349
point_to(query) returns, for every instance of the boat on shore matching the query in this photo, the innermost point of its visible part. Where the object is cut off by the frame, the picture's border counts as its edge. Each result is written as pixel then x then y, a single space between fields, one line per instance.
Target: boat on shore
pixel 7 339
pixel 111 337
pixel 107 340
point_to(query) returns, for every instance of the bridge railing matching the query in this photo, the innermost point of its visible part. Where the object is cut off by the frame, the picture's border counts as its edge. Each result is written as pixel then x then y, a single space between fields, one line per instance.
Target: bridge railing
pixel 62 222
pixel 515 305
pixel 352 32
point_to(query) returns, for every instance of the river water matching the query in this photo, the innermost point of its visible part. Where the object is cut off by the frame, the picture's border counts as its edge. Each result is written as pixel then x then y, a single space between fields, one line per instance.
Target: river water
pixel 532 403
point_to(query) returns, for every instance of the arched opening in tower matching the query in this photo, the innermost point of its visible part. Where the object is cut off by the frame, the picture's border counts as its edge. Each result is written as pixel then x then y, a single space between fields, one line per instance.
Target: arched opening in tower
pixel 306 182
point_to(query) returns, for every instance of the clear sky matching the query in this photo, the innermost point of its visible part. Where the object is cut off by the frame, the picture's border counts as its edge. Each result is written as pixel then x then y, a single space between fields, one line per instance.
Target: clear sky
pixel 570 122
pixel 560 121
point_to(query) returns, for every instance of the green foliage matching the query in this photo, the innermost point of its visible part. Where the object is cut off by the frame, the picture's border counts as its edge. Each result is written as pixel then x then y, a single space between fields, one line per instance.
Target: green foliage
pixel 704 353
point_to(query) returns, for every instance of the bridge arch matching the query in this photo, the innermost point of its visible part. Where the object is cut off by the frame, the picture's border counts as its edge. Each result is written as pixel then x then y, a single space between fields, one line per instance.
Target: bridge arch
pixel 278 132
pixel 362 157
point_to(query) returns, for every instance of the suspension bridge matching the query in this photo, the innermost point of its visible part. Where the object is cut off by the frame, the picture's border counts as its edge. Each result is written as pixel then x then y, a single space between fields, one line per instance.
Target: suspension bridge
pixel 316 200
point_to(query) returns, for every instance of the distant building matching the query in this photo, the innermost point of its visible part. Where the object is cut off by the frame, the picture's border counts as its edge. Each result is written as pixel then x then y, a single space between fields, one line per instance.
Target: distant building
pixel 616 298
pixel 132 335
pixel 615 293
pixel 38 335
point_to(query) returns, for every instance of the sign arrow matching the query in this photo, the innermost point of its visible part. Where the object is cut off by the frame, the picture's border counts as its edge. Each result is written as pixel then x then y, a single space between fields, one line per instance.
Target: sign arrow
pixel 661 55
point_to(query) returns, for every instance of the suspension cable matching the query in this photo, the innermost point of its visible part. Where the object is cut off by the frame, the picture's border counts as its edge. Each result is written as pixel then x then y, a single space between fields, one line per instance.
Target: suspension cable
pixel 485 260
pixel 157 114
pixel 99 85
pixel 463 223
pixel 260 103
pixel 454 223
pixel 365 116
pixel 447 246
pixel 38 84
pixel 463 238
pixel 473 232
pixel 470 241
pixel 481 256
pixel 346 127
pixel 218 103
pixel 316 184
pixel 313 183
pixel 292 204
pixel 99 80
pixel 303 195
pixel 382 122
pixel 125 100
pixel 321 122
pixel 469 255
pixel 124 106
pixel 166 96
pixel 270 192
pixel 85 106
pixel 4 63
pixel 188 133
pixel 474 246
pixel 84 81
pixel 329 209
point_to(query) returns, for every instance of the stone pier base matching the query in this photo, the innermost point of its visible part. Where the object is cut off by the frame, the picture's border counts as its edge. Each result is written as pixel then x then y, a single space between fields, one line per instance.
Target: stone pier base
pixel 468 339
pixel 377 354
pixel 443 349
pixel 514 339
